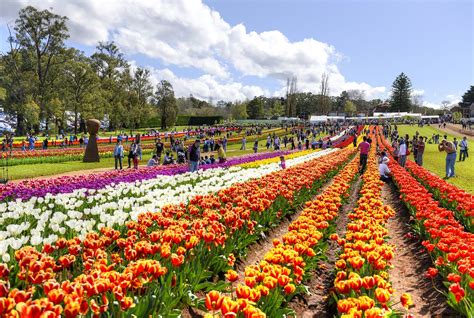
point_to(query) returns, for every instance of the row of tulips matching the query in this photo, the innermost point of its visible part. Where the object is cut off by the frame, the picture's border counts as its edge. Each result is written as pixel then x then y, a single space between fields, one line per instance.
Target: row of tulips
pixel 35 156
pixel 450 246
pixel 362 287
pixel 27 189
pixel 147 143
pixel 40 221
pixel 448 195
pixel 179 134
pixel 267 286
pixel 154 265
pixel 290 156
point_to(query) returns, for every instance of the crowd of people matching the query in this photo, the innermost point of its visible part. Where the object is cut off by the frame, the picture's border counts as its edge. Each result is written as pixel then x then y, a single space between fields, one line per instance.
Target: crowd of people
pixel 403 146
pixel 210 146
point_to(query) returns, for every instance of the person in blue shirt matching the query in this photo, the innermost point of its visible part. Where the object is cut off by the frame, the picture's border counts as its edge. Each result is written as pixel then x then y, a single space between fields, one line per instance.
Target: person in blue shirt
pixel 31 143
pixel 118 154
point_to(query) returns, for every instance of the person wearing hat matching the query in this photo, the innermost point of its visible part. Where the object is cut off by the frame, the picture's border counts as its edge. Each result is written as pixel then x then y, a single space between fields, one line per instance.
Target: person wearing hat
pixel 385 173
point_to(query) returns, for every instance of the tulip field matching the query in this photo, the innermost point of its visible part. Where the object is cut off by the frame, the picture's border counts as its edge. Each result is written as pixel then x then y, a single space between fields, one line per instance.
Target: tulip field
pixel 244 238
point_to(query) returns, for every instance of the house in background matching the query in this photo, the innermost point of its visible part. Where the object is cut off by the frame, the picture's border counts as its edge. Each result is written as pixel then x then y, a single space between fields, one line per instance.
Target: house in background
pixel 467 109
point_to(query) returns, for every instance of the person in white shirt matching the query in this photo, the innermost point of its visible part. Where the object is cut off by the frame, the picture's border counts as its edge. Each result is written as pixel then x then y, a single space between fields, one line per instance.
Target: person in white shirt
pixel 385 173
pixel 402 153
pixel 463 154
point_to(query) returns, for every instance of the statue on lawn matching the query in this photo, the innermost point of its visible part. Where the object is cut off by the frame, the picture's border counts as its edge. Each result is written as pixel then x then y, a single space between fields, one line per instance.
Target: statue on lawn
pixel 92 152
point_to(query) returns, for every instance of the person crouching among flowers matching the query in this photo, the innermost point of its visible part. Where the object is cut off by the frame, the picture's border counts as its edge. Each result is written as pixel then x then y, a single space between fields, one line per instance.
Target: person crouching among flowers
pixel 282 162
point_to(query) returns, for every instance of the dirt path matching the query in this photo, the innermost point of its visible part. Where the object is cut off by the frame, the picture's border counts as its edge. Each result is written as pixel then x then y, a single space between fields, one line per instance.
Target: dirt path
pixel 316 303
pixel 457 130
pixel 260 248
pixel 410 264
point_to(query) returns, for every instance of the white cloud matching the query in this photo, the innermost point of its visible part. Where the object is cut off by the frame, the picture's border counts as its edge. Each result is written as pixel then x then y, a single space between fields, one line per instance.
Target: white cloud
pixel 453 99
pixel 418 92
pixel 187 33
pixel 207 86
pixel 432 105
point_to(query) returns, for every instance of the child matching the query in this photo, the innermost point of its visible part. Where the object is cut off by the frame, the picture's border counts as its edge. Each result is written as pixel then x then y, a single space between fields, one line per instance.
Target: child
pixel 282 162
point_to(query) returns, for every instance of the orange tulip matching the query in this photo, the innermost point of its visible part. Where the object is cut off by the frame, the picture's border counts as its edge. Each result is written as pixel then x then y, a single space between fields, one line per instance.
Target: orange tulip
pixel 283 280
pixel 229 307
pixel 177 260
pixel 232 275
pixel 250 281
pixel 242 291
pixel 406 300
pixel 270 282
pixel 382 295
pixel 344 305
pixel 289 289
pixel 374 312
pixel 214 300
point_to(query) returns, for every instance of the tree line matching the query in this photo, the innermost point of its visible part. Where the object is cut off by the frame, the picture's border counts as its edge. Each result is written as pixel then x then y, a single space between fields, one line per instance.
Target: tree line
pixel 49 86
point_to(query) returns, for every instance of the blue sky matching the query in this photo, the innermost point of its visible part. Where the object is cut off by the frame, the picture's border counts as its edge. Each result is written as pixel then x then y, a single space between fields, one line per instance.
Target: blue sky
pixel 224 50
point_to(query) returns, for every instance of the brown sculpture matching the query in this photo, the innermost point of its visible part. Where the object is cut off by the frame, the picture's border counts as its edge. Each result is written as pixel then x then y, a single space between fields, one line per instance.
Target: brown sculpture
pixel 92 152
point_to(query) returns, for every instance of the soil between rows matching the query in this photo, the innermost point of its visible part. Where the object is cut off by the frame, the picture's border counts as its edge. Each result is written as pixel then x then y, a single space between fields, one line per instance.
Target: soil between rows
pixel 315 304
pixel 410 264
pixel 256 251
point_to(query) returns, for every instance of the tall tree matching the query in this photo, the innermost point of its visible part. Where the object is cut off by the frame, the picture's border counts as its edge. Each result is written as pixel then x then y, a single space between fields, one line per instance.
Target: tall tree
pixel 239 110
pixel 40 36
pixel 291 90
pixel 401 94
pixel 350 108
pixel 468 97
pixel 141 91
pixel 324 101
pixel 255 108
pixel 166 103
pixel 81 89
pixel 113 71
pixel 16 78
pixel 341 101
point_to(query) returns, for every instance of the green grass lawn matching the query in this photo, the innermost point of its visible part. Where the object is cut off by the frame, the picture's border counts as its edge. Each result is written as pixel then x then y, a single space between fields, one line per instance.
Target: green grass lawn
pixel 435 161
pixel 49 169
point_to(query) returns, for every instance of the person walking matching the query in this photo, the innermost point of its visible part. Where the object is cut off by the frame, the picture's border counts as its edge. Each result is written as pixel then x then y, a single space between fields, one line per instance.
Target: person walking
pixel 402 153
pixel 224 143
pixel 137 156
pixel 118 155
pixel 194 155
pixel 131 153
pixel 395 147
pixel 463 154
pixel 450 150
pixel 255 146
pixel 364 148
pixel 244 142
pixel 420 150
pixel 159 147
pixel 31 143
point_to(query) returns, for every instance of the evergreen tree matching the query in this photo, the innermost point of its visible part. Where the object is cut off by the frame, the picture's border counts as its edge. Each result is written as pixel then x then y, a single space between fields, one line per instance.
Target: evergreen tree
pixel 468 97
pixel 166 102
pixel 401 94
